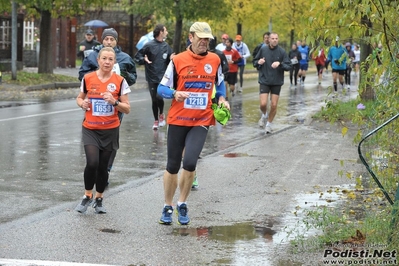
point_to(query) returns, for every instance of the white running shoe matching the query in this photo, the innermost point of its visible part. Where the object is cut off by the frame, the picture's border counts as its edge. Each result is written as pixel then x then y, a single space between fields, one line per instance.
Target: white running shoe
pixel 262 120
pixel 156 125
pixel 268 129
pixel 162 122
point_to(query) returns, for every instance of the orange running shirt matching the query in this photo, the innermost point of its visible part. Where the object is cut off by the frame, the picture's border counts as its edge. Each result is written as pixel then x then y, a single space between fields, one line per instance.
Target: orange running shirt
pixel 232 55
pixel 102 115
pixel 195 74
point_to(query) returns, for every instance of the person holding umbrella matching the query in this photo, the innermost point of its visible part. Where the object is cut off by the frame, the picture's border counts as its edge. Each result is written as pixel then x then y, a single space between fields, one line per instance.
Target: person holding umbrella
pixel 124 66
pixel 155 56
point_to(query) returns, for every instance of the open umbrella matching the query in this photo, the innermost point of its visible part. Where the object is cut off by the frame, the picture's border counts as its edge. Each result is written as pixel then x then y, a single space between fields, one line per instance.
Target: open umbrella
pixel 144 39
pixel 96 23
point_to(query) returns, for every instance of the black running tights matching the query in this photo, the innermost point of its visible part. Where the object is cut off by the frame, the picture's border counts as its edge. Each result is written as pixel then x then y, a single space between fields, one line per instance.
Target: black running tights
pixel 191 139
pixel 96 168
pixel 157 101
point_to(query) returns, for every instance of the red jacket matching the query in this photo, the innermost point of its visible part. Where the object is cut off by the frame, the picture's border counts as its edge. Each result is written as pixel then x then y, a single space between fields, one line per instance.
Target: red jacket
pixel 320 58
pixel 235 56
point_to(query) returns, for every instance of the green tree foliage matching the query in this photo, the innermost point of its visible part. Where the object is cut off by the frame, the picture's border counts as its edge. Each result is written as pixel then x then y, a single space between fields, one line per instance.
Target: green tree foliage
pixel 180 11
pixel 45 10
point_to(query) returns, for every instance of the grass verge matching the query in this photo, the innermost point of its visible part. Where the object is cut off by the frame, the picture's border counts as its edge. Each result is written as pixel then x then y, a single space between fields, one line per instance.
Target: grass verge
pixel 28 78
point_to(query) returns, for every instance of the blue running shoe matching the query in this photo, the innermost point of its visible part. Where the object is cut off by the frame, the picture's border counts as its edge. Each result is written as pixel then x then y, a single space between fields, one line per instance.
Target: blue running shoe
pixel 166 217
pixel 182 216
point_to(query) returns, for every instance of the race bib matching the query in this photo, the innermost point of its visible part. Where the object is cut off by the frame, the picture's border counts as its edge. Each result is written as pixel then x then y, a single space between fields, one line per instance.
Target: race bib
pixel 101 108
pixel 294 61
pixel 116 69
pixel 304 56
pixel 197 100
pixel 87 52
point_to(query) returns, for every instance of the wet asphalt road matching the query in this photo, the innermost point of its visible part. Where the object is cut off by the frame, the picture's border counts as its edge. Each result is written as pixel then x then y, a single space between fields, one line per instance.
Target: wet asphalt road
pixel 43 159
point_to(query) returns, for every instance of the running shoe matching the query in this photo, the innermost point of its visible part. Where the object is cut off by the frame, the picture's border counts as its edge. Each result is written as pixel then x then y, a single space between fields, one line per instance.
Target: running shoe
pixel 98 206
pixel 269 129
pixel 262 120
pixel 156 125
pixel 195 182
pixel 162 122
pixel 182 216
pixel 166 217
pixel 82 206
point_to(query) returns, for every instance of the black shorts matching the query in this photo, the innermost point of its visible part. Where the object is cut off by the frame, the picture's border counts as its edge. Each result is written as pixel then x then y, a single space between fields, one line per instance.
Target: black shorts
pixel 105 140
pixel 273 89
pixel 340 72
pixel 231 78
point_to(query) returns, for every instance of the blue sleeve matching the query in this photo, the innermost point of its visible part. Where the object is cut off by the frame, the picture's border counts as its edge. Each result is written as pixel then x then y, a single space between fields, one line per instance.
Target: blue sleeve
pixel 220 90
pixel 89 64
pixel 165 91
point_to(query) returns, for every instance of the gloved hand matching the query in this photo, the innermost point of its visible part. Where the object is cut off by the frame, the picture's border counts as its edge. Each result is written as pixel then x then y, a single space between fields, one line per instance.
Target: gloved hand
pixel 336 61
pixel 221 113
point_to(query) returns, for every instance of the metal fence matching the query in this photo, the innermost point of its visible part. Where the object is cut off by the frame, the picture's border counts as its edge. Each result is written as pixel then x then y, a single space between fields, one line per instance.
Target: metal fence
pixel 379 152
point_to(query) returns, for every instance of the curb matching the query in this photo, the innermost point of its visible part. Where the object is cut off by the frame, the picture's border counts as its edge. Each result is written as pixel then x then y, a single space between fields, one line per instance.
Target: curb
pixel 57 85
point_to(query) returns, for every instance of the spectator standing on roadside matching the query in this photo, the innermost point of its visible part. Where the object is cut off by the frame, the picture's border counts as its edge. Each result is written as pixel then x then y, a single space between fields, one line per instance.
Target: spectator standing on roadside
pixel 233 58
pixel 124 66
pixel 86 46
pixel 189 81
pixel 103 94
pixel 271 62
pixel 244 52
pixel 294 55
pixel 155 56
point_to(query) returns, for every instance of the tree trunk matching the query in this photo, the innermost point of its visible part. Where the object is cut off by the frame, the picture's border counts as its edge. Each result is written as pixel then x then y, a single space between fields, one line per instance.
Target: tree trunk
pixel 239 28
pixel 178 34
pixel 365 84
pixel 46 50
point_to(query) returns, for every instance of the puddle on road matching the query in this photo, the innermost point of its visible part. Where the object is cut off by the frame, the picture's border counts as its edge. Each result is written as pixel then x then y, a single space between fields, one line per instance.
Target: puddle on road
pixel 251 243
pixel 234 154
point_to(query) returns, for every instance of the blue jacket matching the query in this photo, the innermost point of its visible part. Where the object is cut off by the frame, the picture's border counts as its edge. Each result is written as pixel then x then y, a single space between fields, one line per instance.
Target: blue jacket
pixel 126 64
pixel 337 57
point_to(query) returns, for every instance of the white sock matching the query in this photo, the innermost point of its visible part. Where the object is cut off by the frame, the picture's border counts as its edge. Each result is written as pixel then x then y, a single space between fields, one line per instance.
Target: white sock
pixel 264 115
pixel 180 203
pixel 268 123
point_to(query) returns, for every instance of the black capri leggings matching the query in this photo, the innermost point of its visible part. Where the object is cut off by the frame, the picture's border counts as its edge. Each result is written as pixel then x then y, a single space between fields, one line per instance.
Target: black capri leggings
pixel 190 138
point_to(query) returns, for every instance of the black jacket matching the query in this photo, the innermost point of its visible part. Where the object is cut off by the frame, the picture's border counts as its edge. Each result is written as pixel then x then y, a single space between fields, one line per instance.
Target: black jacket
pixel 159 54
pixel 294 53
pixel 88 46
pixel 268 75
pixel 126 64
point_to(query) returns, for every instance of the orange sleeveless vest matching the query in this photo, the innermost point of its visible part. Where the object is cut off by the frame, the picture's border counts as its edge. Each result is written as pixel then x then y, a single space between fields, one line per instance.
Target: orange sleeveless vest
pixel 101 115
pixel 195 74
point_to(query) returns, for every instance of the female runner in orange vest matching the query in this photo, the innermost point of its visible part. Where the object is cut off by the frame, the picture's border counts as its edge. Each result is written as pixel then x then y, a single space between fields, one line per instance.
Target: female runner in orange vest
pixel 98 97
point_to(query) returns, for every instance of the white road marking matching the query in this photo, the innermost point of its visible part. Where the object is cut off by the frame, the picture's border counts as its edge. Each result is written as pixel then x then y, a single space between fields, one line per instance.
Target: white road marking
pixel 53 113
pixel 11 262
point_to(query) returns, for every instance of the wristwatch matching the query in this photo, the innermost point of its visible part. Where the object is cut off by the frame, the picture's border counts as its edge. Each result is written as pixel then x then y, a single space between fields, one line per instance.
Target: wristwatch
pixel 116 103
